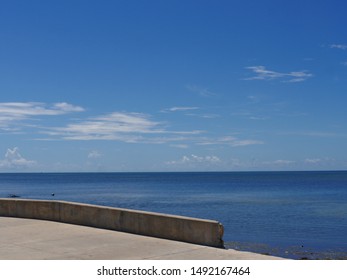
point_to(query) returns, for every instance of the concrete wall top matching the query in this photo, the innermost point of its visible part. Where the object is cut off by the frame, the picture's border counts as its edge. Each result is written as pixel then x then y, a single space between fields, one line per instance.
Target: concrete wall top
pixel 180 228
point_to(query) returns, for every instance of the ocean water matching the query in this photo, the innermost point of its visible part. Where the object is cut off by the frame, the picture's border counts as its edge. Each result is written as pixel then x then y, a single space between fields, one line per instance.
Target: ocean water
pixel 290 214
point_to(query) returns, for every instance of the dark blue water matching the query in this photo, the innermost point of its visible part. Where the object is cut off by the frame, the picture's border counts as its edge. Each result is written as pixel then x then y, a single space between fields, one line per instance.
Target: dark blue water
pixel 295 214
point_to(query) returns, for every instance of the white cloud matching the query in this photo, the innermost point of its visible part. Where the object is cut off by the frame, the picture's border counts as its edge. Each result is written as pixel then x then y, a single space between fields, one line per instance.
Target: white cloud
pixel 180 146
pixel 314 133
pixel 261 73
pixel 209 116
pixel 283 162
pixel 196 160
pixel 64 107
pixel 245 142
pixel 114 126
pixel 12 112
pixel 338 46
pixel 188 112
pixel 126 127
pixel 279 163
pixel 258 118
pixel 322 163
pixel 175 109
pixel 24 109
pixel 13 159
pixel 253 98
pixel 94 154
pixel 313 160
pixel 201 91
pixel 232 141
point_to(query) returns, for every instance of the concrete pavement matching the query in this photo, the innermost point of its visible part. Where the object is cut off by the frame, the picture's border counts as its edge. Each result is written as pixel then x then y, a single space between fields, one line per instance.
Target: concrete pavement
pixel 29 239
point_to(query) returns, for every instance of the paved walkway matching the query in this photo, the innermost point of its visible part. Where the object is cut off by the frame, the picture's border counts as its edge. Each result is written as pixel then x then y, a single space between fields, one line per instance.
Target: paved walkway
pixel 23 239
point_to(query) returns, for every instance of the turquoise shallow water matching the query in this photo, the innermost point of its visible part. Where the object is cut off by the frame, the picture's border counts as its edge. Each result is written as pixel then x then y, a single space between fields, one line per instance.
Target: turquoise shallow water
pixel 293 214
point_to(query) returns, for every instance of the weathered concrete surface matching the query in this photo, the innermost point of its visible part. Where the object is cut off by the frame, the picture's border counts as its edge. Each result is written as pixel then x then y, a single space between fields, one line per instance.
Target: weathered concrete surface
pixel 30 239
pixel 197 231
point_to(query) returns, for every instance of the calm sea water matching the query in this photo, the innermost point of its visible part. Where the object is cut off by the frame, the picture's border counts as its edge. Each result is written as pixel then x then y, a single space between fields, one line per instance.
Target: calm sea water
pixel 293 214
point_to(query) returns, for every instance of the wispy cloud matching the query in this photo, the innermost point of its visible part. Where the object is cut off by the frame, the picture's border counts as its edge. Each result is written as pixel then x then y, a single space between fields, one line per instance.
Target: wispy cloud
pixel 231 141
pixel 18 111
pixel 13 159
pixel 314 133
pixel 114 126
pixel 283 162
pixel 313 160
pixel 180 146
pixel 261 73
pixel 121 126
pixel 201 90
pixel 190 111
pixel 24 109
pixel 338 46
pixel 278 163
pixel 204 116
pixel 320 162
pixel 129 127
pixel 94 154
pixel 180 109
pixel 63 107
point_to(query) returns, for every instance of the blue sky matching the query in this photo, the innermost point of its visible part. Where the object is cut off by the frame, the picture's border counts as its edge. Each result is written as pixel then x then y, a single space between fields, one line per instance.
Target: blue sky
pixel 173 85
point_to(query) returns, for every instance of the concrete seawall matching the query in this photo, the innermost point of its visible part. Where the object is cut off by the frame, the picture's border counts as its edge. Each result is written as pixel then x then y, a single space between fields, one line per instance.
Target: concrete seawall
pixel 197 231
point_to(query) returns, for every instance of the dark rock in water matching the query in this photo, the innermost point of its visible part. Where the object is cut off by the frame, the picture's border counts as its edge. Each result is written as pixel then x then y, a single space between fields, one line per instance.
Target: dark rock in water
pixel 13 195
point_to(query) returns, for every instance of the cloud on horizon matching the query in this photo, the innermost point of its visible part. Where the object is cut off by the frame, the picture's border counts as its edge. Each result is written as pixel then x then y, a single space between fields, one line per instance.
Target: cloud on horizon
pixel 193 160
pixel 13 159
pixel 94 154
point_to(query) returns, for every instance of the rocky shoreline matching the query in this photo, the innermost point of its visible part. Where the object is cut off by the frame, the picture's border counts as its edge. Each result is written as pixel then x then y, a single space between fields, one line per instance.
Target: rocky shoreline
pixel 292 252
